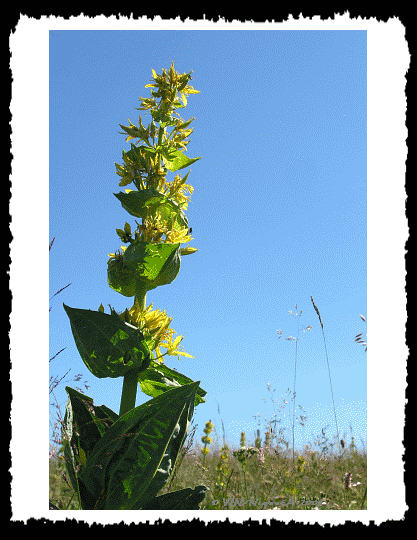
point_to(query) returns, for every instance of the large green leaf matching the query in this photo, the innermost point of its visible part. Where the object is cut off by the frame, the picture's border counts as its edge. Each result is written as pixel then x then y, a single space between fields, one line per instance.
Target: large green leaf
pixel 84 425
pixel 147 202
pixel 159 378
pixel 108 346
pixel 131 463
pixel 92 421
pixel 183 499
pixel 144 266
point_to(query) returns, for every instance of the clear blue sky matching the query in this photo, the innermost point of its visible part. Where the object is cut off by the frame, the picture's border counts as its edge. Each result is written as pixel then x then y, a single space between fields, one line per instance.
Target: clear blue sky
pixel 279 214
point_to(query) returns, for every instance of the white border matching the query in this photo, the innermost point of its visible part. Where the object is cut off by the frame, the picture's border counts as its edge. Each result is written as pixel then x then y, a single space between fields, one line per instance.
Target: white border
pixel 388 62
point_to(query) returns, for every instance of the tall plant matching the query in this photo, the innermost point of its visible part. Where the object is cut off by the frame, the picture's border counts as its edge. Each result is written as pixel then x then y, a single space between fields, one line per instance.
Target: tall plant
pixel 121 461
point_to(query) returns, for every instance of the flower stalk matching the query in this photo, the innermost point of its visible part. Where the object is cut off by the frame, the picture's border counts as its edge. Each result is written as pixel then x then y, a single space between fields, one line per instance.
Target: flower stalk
pixel 127 458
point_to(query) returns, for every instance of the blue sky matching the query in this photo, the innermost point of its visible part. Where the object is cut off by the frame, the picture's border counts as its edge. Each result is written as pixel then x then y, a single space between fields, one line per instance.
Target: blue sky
pixel 279 214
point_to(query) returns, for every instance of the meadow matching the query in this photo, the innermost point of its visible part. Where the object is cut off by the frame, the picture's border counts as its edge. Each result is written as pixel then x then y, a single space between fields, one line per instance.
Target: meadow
pixel 265 475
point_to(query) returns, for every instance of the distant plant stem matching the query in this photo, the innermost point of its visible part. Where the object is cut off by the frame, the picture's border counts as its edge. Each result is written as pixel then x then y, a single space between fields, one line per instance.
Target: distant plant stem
pixel 364 497
pixel 328 366
pixel 293 413
pixel 244 478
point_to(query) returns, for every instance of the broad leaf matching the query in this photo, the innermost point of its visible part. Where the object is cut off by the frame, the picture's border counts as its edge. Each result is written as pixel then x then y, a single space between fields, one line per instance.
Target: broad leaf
pixel 84 425
pixel 149 202
pixel 108 346
pixel 144 266
pixel 131 463
pixel 183 499
pixel 159 378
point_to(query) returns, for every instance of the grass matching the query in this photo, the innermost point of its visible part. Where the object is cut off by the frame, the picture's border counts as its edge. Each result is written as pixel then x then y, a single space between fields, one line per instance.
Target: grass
pixel 260 477
pixel 269 474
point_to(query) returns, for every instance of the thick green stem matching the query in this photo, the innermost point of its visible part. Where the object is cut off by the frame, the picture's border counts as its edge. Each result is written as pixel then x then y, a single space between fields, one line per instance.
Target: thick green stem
pixel 130 380
pixel 130 387
pixel 140 300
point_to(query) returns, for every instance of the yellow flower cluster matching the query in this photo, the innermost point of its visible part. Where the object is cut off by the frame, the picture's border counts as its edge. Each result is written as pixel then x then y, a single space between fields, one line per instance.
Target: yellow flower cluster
pixel 154 324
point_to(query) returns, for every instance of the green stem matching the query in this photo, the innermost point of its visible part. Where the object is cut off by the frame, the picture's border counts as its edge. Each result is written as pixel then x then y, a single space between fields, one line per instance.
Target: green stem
pixel 140 299
pixel 160 141
pixel 161 135
pixel 244 477
pixel 130 387
pixel 130 380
